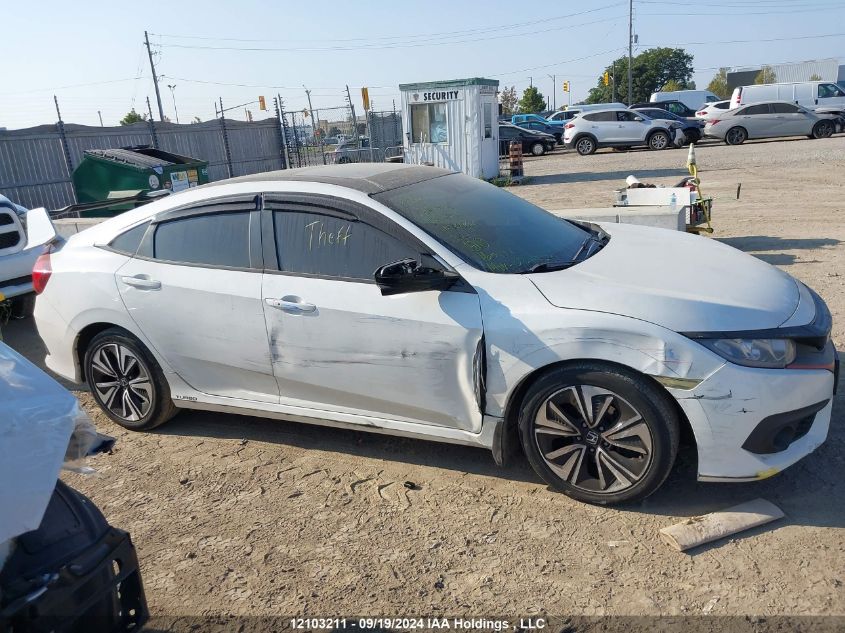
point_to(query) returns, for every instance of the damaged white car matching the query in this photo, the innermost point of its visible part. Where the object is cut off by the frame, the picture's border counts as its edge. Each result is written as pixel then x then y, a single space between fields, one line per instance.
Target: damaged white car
pixel 419 302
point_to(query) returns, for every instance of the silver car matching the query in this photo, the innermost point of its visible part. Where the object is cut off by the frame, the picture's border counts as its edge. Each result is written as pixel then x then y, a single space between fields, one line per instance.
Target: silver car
pixel 770 119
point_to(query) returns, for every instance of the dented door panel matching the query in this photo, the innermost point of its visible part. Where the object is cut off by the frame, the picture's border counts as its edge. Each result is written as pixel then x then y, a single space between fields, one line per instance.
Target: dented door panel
pixel 405 357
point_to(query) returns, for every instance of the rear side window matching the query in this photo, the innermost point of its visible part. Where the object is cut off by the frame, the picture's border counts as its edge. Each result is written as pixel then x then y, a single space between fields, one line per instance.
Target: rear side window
pixel 128 241
pixel 600 116
pixel 331 246
pixel 784 108
pixel 221 239
pixel 760 108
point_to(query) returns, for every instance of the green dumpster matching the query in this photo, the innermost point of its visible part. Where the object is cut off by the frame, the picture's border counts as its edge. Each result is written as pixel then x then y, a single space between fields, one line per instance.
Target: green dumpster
pixel 129 172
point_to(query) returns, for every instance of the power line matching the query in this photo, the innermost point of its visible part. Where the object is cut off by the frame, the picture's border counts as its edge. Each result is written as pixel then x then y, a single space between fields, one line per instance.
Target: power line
pixel 85 85
pixel 440 35
pixel 383 46
pixel 772 39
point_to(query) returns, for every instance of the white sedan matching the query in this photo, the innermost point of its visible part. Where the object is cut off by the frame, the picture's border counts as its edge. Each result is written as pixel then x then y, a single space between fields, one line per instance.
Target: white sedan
pixel 419 302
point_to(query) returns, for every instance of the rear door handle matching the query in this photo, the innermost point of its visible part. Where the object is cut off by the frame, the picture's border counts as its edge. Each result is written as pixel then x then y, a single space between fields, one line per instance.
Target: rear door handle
pixel 294 305
pixel 143 282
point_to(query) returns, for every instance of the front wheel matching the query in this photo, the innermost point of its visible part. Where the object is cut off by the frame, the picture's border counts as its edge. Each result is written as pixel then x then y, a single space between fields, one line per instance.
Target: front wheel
pixel 599 433
pixel 538 149
pixel 126 381
pixel 823 129
pixel 659 141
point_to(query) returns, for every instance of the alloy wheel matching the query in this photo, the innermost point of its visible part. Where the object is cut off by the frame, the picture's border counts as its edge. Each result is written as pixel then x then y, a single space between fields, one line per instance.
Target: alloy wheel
pixel 121 382
pixel 658 141
pixel 585 146
pixel 593 439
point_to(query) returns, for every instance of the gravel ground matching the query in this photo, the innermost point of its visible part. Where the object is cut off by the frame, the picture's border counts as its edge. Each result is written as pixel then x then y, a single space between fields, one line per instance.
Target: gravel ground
pixel 240 515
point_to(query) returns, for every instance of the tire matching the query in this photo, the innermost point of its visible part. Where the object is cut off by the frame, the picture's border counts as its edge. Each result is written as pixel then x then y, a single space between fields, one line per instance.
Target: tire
pixel 538 149
pixel 126 381
pixel 585 145
pixel 583 458
pixel 343 160
pixel 659 141
pixel 823 129
pixel 736 136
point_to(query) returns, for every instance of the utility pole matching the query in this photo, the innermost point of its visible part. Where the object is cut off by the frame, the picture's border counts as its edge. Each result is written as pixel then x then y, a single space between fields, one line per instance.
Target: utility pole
pixel 155 77
pixel 630 47
pixel 554 91
pixel 613 89
pixel 531 82
pixel 100 114
pixel 173 95
pixel 152 124
pixel 354 118
pixel 313 122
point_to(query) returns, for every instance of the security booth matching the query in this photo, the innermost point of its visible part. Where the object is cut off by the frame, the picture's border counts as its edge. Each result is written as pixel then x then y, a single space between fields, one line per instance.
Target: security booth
pixel 452 124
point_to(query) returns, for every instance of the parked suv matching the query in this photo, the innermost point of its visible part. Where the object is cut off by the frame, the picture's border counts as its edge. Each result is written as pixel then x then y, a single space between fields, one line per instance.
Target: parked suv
pixel 545 128
pixel 619 128
pixel 675 107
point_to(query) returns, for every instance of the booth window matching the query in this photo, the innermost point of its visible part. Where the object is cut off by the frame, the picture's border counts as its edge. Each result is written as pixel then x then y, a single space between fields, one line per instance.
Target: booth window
pixel 488 120
pixel 428 123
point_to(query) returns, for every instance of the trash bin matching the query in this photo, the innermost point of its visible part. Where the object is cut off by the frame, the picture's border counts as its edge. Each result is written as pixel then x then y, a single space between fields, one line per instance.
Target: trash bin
pixel 112 174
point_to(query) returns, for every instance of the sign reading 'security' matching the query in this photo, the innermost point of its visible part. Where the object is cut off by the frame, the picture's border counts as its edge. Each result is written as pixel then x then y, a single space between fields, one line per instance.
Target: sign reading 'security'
pixel 440 95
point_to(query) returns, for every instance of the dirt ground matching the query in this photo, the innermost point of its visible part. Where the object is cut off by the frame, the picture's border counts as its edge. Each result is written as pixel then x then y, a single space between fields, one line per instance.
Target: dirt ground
pixel 241 515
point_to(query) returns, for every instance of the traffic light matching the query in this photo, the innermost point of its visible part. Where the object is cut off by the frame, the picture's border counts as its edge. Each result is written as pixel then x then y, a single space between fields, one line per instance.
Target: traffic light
pixel 606 78
pixel 262 104
pixel 566 86
pixel 365 97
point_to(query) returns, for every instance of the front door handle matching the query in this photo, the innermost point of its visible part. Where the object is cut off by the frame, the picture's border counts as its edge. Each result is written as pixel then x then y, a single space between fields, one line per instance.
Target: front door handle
pixel 294 305
pixel 143 282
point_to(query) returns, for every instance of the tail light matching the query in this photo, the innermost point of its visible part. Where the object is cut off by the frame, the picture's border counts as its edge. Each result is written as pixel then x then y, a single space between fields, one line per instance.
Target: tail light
pixel 712 121
pixel 701 113
pixel 41 272
pixel 569 126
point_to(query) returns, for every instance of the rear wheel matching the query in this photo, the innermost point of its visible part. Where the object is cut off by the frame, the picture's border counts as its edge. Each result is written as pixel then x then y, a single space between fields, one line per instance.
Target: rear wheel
pixel 736 136
pixel 127 382
pixel 599 433
pixel 823 129
pixel 658 140
pixel 538 149
pixel 585 146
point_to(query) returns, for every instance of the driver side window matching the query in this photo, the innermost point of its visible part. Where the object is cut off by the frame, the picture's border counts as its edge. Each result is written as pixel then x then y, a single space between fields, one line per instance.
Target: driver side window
pixel 334 245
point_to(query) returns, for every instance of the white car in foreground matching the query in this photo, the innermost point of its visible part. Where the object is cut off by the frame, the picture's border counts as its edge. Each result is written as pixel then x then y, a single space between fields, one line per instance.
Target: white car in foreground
pixel 414 301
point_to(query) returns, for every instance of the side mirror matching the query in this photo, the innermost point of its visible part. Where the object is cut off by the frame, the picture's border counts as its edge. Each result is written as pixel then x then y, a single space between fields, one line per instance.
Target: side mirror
pixel 407 275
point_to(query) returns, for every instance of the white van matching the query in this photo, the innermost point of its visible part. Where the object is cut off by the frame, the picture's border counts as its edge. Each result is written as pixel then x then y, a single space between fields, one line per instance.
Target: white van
pixel 693 99
pixel 810 94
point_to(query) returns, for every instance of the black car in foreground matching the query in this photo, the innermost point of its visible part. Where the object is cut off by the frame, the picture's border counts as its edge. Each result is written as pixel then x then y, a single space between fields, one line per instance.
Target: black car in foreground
pixel 533 142
pixel 693 128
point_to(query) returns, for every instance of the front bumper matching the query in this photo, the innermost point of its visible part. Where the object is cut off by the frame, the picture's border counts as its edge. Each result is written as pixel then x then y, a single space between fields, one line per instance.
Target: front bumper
pixel 734 403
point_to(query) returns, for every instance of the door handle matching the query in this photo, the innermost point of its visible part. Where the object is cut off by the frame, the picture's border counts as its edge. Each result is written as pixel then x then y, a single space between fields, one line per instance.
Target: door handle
pixel 294 305
pixel 143 282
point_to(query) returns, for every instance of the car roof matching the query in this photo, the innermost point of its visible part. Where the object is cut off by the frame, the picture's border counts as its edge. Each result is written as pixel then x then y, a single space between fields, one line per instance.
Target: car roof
pixel 367 178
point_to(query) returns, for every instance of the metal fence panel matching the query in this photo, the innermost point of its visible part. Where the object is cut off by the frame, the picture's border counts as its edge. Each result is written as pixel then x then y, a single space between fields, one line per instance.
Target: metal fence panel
pixel 34 173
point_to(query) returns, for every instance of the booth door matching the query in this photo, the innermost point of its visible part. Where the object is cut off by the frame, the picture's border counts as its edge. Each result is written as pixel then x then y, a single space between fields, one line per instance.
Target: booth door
pixel 489 139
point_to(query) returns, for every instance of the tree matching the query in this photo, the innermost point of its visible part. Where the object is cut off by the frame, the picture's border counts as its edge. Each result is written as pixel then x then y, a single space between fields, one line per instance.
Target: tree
pixel 719 84
pixel 532 101
pixel 132 117
pixel 334 131
pixel 671 86
pixel 815 77
pixel 765 76
pixel 508 100
pixel 197 120
pixel 651 70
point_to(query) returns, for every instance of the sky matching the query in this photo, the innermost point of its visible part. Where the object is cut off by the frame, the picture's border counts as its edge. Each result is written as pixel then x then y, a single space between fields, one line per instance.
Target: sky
pixel 91 54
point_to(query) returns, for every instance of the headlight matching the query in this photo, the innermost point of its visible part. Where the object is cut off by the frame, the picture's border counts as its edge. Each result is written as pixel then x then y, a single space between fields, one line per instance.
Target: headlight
pixel 772 353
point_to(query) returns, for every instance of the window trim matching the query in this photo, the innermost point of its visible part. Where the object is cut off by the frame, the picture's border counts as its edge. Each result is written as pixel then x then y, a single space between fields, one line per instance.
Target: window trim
pixel 234 204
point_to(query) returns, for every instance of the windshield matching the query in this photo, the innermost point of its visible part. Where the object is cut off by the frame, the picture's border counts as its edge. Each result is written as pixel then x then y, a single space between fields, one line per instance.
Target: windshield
pixel 491 229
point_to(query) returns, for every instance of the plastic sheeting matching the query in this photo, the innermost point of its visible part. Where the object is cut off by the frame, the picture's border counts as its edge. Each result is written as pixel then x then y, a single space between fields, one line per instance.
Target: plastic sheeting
pixel 37 419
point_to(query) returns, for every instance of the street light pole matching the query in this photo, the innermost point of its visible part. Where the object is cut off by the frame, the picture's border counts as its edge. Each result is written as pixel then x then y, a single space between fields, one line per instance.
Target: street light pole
pixel 554 90
pixel 173 96
pixel 630 47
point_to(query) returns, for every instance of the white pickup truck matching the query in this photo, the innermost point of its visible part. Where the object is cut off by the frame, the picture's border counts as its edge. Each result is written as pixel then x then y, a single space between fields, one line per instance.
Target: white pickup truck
pixel 23 236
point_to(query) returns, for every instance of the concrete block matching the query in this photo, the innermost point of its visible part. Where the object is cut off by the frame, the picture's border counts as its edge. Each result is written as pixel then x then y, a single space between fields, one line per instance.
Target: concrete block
pixel 659 217
pixel 70 226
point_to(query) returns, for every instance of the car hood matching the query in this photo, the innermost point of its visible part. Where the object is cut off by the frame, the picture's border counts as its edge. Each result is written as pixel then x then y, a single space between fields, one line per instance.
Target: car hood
pixel 677 280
